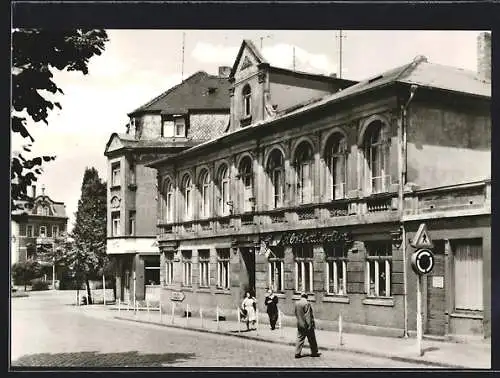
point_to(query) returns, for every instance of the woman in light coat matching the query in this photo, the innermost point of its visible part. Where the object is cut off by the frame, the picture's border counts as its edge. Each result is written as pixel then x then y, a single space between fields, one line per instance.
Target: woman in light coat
pixel 249 306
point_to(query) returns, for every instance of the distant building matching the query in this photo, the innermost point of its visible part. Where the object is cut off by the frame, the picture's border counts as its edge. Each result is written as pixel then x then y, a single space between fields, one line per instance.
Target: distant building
pixel 319 184
pixel 36 228
pixel 186 115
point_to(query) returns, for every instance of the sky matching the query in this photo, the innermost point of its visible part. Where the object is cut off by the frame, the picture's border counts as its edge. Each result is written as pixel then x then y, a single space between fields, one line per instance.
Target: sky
pixel 138 65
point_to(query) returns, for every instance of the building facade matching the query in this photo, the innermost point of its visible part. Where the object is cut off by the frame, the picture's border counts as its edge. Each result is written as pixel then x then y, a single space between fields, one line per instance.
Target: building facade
pixel 323 196
pixel 188 114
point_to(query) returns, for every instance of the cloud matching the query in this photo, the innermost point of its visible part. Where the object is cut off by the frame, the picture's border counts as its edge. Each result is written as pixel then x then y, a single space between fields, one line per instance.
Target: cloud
pixel 210 53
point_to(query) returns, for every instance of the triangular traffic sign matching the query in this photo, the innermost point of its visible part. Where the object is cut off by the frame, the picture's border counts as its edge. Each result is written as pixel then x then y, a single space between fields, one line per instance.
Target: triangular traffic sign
pixel 422 238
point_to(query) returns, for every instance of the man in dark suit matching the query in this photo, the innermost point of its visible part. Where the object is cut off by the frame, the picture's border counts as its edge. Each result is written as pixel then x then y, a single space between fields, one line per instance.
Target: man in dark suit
pixel 305 326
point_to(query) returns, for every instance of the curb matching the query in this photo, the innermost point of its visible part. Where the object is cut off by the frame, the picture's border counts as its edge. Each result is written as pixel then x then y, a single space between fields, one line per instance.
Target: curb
pixel 335 349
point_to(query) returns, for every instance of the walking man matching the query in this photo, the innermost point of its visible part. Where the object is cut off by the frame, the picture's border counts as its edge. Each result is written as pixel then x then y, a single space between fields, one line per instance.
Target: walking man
pixel 305 327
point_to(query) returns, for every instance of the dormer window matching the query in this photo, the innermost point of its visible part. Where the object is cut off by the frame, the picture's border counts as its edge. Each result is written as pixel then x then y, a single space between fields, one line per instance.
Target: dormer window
pixel 247 100
pixel 212 90
pixel 180 127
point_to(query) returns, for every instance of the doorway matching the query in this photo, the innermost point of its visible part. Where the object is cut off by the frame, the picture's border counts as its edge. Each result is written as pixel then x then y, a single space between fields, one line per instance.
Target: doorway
pixel 436 293
pixel 247 279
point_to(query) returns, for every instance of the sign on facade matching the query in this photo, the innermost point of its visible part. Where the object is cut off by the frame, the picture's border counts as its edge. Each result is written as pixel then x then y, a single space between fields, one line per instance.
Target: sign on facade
pixel 422 261
pixel 438 281
pixel 422 238
pixel 177 296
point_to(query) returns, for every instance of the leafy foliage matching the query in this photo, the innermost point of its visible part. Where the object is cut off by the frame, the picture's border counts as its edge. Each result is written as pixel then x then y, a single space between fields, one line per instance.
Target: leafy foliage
pixel 23 272
pixel 35 54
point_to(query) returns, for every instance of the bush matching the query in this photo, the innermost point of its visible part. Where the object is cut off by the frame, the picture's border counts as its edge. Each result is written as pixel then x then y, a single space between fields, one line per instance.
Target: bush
pixel 39 285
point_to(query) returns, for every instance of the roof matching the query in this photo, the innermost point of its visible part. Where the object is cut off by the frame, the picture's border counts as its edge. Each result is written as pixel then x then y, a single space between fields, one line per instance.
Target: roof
pixel 58 208
pixel 129 142
pixel 193 91
pixel 247 43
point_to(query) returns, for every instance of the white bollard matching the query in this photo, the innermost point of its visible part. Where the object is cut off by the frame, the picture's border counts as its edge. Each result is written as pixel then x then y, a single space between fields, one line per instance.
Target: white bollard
pixel 161 313
pixel 239 319
pixel 217 314
pixel 340 330
pixel 118 305
pixel 201 317
pixel 173 312
pixel 187 314
pixel 104 290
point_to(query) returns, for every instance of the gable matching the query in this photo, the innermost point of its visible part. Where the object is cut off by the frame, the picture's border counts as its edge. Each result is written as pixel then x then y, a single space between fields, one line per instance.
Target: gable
pixel 247 61
pixel 248 56
pixel 114 144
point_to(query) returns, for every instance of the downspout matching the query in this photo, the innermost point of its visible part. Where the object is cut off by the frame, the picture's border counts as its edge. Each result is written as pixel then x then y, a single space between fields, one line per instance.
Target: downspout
pixel 402 181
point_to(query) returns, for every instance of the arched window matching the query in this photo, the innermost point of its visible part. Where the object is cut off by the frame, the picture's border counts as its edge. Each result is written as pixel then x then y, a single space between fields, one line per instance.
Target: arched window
pixel 247 100
pixel 223 200
pixel 204 184
pixel 336 172
pixel 246 183
pixel 276 172
pixel 304 171
pixel 376 153
pixel 169 201
pixel 187 193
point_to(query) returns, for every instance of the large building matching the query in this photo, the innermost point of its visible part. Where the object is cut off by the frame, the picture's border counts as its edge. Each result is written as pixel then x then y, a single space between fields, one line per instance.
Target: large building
pixel 319 184
pixel 188 114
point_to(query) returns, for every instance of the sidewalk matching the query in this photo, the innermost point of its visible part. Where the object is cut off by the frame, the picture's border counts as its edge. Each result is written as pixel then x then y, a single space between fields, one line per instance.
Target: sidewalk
pixel 436 353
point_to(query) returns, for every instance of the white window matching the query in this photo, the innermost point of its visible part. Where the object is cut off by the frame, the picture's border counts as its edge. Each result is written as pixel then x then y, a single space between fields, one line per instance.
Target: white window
pixel 224 190
pixel 276 272
pixel 378 268
pixel 188 194
pixel 180 127
pixel 115 174
pixel 187 268
pixel 376 152
pixel 205 194
pixel 336 162
pixel 115 224
pixel 45 210
pixel 167 202
pixel 468 274
pixel 152 270
pixel 169 268
pixel 204 262
pixel 55 231
pixel 132 173
pixel 247 101
pixel 43 231
pixel 131 223
pixel 276 173
pixel 223 268
pixel 304 169
pixel 303 255
pixel 336 270
pixel 167 129
pixel 246 179
pixel 29 231
pixel 39 210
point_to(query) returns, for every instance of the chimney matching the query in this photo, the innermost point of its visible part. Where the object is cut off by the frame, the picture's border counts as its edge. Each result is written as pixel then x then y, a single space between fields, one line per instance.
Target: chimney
pixel 33 191
pixel 224 71
pixel 484 56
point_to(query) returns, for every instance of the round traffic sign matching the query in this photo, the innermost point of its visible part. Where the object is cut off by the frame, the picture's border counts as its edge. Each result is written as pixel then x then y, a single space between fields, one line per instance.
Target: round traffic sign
pixel 422 261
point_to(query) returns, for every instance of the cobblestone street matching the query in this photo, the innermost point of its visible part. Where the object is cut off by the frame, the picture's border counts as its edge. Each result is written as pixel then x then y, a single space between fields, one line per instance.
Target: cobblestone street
pixel 49 331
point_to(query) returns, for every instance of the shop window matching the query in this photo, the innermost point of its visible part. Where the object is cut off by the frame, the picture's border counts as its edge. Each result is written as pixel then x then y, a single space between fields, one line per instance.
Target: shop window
pixel 303 256
pixel 276 173
pixel 223 268
pixel 304 172
pixel 187 268
pixel 246 183
pixel 169 268
pixel 115 174
pixel 204 183
pixel 336 269
pixel 223 199
pixel 115 223
pixel 468 274
pixel 376 153
pixel 378 268
pixel 336 166
pixel 204 262
pixel 276 270
pixel 152 270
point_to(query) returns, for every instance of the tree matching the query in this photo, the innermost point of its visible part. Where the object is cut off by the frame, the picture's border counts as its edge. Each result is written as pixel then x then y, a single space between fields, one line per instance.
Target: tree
pixel 35 54
pixel 25 271
pixel 88 255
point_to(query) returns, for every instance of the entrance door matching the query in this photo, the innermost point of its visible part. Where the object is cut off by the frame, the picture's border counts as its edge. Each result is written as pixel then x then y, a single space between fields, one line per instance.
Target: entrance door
pixel 436 293
pixel 248 273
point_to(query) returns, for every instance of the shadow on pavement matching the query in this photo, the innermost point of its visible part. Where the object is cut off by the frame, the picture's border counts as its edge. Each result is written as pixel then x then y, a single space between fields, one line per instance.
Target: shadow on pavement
pixel 95 359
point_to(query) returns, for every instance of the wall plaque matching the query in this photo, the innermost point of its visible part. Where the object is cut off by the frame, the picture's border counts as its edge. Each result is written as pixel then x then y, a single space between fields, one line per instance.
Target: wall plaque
pixel 177 296
pixel 438 281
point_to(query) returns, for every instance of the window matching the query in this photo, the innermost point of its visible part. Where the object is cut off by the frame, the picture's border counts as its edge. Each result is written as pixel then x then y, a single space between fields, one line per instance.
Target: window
pixel 246 181
pixel 180 127
pixel 376 152
pixel 468 274
pixel 115 223
pixel 336 269
pixel 167 201
pixel 187 271
pixel 276 174
pixel 29 231
pixel 303 268
pixel 378 268
pixel 152 270
pixel 204 259
pixel 247 101
pixel 169 268
pixel 167 130
pixel 39 210
pixel 205 194
pixel 55 231
pixel 304 169
pixel 131 223
pixel 131 168
pixel 43 231
pixel 223 190
pixel 223 268
pixel 335 158
pixel 115 174
pixel 276 271
pixel 45 210
pixel 187 193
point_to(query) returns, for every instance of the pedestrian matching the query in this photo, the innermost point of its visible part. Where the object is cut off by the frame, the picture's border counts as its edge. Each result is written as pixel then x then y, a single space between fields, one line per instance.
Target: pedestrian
pixel 249 306
pixel 305 327
pixel 271 303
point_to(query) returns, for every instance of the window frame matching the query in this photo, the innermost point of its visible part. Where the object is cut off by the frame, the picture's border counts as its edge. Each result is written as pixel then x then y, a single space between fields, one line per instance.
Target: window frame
pixel 205 194
pixel 224 190
pixel 304 157
pixel 204 268
pixel 304 283
pixel 44 233
pixel 376 154
pixel 132 223
pixel 32 233
pixel 276 165
pixel 376 259
pixel 151 268
pixel 246 95
pixel 276 272
pixel 223 269
pixel 169 268
pixel 468 242
pixel 332 262
pixel 115 223
pixel 180 121
pixel 335 156
pixel 187 191
pixel 246 175
pixel 115 174
pixel 56 233
pixel 187 268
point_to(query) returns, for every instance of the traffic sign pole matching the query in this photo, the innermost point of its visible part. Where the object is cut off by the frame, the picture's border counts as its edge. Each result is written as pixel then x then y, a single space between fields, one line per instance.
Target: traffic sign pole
pixel 419 314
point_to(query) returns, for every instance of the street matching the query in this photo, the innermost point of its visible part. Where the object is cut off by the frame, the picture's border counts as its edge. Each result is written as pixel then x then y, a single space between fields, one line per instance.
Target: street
pixel 47 330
